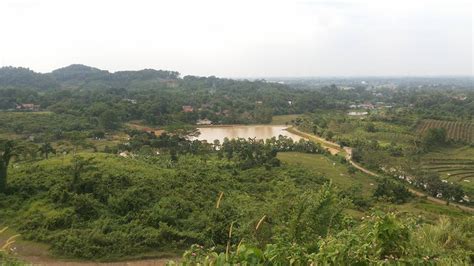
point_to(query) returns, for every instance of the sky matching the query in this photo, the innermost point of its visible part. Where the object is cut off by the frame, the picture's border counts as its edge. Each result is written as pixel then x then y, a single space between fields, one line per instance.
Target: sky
pixel 242 38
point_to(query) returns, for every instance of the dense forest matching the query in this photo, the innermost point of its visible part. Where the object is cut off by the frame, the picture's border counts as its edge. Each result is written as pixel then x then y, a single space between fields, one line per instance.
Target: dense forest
pixel 163 97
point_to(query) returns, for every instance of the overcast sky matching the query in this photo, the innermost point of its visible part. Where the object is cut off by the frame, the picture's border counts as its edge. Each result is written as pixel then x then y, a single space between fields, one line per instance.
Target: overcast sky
pixel 242 38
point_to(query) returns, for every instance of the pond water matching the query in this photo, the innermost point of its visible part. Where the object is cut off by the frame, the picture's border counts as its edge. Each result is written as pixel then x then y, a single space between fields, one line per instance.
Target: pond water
pixel 253 131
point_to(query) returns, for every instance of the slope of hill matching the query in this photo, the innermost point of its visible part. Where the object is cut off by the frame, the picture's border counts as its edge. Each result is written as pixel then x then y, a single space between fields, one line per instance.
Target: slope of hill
pixel 19 77
pixel 78 72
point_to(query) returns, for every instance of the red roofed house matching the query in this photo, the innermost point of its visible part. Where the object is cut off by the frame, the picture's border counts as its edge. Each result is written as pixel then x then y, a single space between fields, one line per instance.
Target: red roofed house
pixel 188 109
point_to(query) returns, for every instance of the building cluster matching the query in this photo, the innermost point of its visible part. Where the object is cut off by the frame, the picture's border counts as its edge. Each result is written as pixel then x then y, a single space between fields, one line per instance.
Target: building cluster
pixel 357 113
pixel 367 106
pixel 28 107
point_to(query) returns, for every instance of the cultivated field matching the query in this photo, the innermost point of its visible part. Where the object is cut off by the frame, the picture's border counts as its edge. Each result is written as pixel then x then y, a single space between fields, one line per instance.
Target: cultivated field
pixel 456 130
pixel 454 169
pixel 453 164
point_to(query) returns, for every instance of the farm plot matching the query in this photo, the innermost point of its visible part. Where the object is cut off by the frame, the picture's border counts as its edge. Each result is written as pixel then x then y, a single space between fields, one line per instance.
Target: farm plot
pixel 452 169
pixel 456 130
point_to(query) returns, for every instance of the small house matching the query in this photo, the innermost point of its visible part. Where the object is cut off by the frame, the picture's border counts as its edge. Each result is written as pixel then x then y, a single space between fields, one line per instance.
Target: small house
pixel 358 113
pixel 27 107
pixel 188 109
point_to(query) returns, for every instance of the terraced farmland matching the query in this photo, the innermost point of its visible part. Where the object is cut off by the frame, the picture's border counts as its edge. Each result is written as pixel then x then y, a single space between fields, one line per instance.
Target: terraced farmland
pixel 456 130
pixel 452 169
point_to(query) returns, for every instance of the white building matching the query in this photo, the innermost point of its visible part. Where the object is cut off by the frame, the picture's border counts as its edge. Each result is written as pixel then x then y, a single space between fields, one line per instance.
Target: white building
pixel 204 122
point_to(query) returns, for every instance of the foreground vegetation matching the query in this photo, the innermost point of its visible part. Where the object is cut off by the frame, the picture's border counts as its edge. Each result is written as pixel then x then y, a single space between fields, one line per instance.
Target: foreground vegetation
pixel 378 239
pixel 99 206
pixel 104 206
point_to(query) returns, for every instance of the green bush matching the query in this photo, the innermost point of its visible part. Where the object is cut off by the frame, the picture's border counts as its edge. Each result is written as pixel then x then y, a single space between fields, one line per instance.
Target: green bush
pixel 380 239
pixel 392 191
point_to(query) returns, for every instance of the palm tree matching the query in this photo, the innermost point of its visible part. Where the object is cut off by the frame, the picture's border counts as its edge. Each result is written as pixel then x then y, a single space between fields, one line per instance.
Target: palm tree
pixel 4 161
pixel 45 149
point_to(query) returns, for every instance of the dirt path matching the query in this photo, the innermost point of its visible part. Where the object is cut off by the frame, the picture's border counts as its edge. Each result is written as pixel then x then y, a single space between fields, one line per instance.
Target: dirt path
pixel 40 256
pixel 56 262
pixel 34 253
pixel 334 147
pixel 150 262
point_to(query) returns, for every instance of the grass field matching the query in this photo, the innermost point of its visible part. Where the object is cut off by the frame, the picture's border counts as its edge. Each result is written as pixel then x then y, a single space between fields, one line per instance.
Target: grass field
pixel 426 209
pixel 283 119
pixel 456 130
pixel 331 169
pixel 385 133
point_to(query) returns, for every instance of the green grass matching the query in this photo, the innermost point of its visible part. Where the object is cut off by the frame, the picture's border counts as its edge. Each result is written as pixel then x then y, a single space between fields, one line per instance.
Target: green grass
pixel 9 136
pixel 385 134
pixel 109 163
pixel 27 113
pixel 423 208
pixel 452 152
pixel 331 169
pixel 283 119
pixel 429 210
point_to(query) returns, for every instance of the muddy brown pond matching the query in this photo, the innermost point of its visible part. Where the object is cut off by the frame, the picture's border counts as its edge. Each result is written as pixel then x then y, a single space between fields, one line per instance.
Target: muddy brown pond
pixel 253 131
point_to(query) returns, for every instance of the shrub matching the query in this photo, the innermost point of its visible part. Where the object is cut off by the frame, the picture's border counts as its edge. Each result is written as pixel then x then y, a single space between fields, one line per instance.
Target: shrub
pixel 392 191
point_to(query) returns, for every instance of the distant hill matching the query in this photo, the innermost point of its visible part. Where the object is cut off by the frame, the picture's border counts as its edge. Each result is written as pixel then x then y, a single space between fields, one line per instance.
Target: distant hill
pixel 79 76
pixel 146 74
pixel 143 79
pixel 79 72
pixel 82 73
pixel 19 77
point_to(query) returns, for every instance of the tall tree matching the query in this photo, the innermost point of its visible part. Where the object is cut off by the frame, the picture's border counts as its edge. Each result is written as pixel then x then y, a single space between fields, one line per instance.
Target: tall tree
pixel 46 149
pixel 435 137
pixel 109 120
pixel 79 165
pixel 5 157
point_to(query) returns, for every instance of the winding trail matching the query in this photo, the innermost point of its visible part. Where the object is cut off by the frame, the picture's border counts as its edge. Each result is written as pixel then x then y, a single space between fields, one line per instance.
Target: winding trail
pixel 334 148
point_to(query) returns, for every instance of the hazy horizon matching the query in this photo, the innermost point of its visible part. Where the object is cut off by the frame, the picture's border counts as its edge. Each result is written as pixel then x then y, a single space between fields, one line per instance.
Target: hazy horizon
pixel 243 39
pixel 265 77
